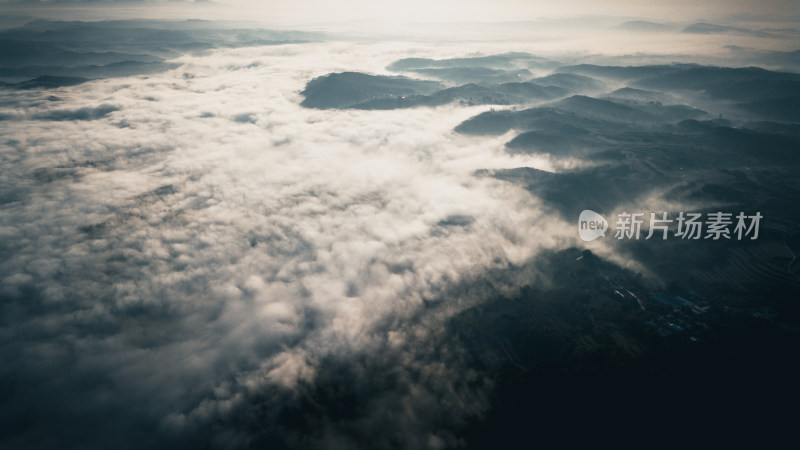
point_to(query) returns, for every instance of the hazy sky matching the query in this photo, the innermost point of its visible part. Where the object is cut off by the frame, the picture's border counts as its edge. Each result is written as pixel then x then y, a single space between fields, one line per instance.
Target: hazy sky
pixel 309 11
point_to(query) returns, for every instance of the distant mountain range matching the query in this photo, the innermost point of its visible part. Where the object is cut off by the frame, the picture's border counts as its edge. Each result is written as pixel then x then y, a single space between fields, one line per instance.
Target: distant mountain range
pixel 106 49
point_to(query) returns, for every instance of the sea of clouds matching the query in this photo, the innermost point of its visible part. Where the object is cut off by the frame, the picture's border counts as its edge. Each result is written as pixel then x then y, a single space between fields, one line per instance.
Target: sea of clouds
pixel 190 255
pixel 191 259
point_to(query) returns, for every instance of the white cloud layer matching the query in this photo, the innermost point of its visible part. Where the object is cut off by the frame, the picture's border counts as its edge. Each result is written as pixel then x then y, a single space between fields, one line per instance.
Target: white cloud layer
pixel 203 242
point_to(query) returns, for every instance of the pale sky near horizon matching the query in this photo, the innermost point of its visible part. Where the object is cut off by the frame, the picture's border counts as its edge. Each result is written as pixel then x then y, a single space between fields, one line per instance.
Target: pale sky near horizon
pixel 308 11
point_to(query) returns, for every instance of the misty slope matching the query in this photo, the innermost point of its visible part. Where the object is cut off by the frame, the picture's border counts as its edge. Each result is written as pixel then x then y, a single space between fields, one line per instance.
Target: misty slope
pixel 781 109
pixel 561 141
pixel 651 94
pixel 712 28
pixel 46 81
pixel 644 26
pixel 542 118
pixel 645 142
pixel 570 82
pixel 603 109
pixel 493 69
pixel 473 74
pixel 115 69
pixel 21 53
pixel 471 94
pixel 600 189
pixel 635 95
pixel 362 91
pixel 700 157
pixel 497 80
pixel 623 73
pixel 701 78
pixel 503 61
pixel 784 60
pixel 347 89
pixel 579 113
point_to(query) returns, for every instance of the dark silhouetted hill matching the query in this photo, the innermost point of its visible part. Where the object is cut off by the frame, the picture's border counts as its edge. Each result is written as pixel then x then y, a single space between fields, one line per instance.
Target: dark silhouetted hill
pixel 346 89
